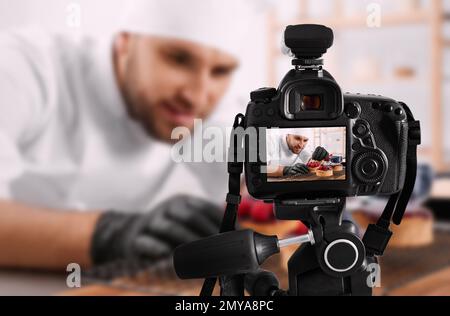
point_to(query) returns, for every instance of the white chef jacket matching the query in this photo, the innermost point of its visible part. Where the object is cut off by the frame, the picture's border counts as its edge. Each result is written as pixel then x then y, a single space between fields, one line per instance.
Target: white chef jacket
pixel 279 154
pixel 66 141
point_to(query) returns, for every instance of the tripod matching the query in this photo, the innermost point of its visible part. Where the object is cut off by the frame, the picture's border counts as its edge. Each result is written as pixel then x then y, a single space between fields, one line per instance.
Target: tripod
pixel 334 262
pixel 332 259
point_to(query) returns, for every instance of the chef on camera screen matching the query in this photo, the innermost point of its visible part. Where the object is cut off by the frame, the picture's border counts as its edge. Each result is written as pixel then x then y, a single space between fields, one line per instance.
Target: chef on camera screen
pixel 305 154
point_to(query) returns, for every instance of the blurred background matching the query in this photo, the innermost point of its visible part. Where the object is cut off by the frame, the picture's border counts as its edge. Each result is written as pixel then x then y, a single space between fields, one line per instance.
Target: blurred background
pixel 399 49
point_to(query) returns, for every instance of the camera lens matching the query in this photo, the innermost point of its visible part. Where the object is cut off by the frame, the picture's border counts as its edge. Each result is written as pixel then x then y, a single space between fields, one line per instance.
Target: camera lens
pixel 311 103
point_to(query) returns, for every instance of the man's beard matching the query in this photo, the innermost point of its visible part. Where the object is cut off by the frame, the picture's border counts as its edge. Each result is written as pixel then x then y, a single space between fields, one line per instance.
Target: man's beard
pixel 136 112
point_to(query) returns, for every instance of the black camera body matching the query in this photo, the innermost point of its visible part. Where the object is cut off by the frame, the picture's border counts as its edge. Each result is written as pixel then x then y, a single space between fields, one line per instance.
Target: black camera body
pixel 373 157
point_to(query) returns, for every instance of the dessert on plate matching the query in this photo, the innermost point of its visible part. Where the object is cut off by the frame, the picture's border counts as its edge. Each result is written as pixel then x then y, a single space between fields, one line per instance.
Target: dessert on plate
pixel 338 167
pixel 324 171
pixel 313 165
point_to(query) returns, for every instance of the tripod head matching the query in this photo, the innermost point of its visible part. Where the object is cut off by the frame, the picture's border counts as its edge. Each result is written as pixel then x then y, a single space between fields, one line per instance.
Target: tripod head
pixel 338 250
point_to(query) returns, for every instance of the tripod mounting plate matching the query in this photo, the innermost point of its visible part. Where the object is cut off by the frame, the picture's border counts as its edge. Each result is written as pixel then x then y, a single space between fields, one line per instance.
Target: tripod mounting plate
pixel 302 209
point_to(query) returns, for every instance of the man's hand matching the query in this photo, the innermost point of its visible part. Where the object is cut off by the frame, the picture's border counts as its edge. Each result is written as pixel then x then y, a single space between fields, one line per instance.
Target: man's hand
pixel 295 170
pixel 153 235
pixel 320 154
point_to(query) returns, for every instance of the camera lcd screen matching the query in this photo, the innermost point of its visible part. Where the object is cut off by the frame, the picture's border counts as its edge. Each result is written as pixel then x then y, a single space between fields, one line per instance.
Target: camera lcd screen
pixel 306 154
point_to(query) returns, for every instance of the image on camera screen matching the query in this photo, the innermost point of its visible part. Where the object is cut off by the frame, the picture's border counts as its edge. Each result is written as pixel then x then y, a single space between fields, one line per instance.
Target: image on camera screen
pixel 306 154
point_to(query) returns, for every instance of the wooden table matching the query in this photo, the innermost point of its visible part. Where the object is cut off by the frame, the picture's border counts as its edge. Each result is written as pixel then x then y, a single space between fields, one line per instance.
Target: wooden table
pixel 437 283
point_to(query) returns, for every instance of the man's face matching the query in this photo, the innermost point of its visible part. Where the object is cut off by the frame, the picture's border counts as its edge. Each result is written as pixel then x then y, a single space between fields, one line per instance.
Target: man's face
pixel 296 143
pixel 168 83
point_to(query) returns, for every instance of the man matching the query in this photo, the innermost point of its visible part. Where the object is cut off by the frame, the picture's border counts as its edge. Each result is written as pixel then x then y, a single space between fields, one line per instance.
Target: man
pixel 287 154
pixel 85 126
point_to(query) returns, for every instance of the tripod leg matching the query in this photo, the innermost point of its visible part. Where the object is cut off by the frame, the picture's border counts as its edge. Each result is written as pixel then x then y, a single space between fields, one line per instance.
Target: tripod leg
pixel 306 278
pixel 232 285
pixel 263 283
pixel 361 283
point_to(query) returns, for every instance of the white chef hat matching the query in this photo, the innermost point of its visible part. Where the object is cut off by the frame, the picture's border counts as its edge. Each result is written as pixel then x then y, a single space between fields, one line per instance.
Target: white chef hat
pixel 221 24
pixel 305 132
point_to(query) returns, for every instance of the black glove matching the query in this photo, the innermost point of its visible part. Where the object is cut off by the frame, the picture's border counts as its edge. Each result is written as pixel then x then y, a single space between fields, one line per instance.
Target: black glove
pixel 320 154
pixel 152 236
pixel 295 170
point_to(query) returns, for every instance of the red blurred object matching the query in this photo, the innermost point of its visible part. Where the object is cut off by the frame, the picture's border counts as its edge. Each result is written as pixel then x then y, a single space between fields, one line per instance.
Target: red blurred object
pixel 313 164
pixel 300 230
pixel 256 211
pixel 324 168
pixel 245 207
pixel 262 212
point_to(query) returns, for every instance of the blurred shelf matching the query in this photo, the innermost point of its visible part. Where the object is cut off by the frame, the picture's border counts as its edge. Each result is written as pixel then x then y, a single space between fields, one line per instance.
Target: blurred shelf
pixel 381 81
pixel 432 16
pixel 357 21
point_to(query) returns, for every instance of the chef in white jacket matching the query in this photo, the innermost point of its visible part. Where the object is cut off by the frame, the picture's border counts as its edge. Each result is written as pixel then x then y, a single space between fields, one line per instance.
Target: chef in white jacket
pixel 290 150
pixel 86 126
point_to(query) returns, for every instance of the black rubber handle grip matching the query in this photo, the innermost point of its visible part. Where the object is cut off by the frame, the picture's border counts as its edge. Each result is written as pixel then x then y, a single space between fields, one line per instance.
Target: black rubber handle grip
pixel 230 253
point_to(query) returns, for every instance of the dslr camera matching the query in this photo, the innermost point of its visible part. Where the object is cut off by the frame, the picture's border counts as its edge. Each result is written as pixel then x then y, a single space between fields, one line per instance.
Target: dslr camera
pixel 307 146
pixel 366 134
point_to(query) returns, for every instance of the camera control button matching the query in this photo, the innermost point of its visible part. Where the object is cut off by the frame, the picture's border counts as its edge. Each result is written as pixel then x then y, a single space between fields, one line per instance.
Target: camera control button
pixel 376 105
pixel 388 108
pixel 263 94
pixel 360 129
pixel 399 112
pixel 257 112
pixel 356 146
pixel 367 141
pixel 369 167
pixel 352 110
pixel 270 112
